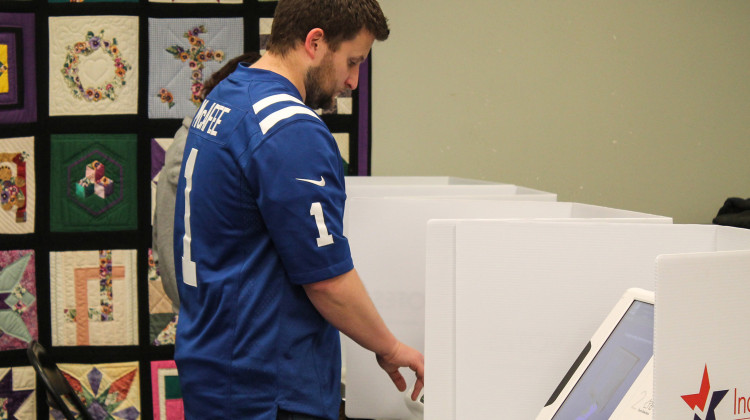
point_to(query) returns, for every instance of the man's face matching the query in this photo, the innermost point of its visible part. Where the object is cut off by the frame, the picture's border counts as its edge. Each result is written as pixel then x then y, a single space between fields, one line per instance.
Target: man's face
pixel 337 71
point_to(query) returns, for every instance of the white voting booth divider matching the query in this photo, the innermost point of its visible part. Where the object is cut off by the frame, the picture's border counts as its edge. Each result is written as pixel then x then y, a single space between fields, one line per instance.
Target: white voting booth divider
pixel 506 191
pixel 388 239
pixel 700 336
pixel 528 296
pixel 412 180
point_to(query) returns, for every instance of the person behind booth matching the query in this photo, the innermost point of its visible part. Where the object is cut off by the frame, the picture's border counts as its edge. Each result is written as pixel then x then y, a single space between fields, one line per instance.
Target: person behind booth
pixel 166 189
pixel 265 275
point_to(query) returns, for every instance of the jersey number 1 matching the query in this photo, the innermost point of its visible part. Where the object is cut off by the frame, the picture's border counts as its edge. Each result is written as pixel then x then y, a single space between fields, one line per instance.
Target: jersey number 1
pixel 324 238
pixel 188 266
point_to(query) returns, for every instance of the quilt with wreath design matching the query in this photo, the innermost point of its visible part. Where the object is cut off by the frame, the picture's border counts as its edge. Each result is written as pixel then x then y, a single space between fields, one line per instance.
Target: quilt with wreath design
pixel 93 65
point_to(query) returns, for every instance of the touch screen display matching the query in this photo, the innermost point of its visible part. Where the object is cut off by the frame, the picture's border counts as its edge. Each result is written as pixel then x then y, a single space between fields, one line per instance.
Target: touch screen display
pixel 614 369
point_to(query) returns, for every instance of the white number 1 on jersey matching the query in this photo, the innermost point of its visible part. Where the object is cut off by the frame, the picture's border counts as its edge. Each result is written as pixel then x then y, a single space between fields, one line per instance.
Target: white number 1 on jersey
pixel 324 237
pixel 188 266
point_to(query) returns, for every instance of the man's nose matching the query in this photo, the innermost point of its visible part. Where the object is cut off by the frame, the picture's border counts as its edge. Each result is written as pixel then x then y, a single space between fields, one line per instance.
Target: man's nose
pixel 353 79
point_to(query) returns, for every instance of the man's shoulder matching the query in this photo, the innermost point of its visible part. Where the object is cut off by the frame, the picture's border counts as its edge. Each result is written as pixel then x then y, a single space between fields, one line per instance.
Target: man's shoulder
pixel 278 108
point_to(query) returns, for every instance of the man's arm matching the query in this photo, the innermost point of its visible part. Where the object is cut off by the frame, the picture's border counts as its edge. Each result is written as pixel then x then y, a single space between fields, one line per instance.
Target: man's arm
pixel 344 302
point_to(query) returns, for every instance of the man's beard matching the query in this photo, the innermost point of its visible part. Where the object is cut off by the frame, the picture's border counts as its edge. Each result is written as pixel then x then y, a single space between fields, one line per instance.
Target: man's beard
pixel 316 79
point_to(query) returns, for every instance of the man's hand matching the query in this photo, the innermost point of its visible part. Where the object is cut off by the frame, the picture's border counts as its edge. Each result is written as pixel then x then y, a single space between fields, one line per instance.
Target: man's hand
pixel 403 356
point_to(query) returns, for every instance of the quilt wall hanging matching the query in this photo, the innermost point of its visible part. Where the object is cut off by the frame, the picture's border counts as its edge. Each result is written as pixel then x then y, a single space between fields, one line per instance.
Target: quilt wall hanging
pixel 17 185
pixel 166 392
pixel 93 1
pixel 93 65
pixel 18 309
pixel 342 140
pixel 162 321
pixel 81 152
pixel 200 1
pixel 17 68
pixel 93 182
pixel 109 390
pixel 183 53
pixel 94 298
pixel 18 393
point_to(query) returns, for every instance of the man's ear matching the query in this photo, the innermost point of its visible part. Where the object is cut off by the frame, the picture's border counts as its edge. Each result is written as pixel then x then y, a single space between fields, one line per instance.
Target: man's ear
pixel 315 43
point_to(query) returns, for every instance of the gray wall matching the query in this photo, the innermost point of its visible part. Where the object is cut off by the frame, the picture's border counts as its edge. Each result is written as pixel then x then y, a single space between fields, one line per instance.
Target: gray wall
pixel 636 104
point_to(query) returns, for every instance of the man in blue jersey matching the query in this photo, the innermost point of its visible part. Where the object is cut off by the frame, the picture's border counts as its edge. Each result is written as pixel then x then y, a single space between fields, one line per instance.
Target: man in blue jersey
pixel 265 275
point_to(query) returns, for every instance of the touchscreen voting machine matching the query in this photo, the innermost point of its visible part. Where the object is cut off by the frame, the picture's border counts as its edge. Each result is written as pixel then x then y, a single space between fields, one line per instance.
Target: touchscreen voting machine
pixel 613 376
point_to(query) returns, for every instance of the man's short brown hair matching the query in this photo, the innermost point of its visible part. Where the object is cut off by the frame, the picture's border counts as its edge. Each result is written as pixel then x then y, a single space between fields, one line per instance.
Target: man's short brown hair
pixel 340 20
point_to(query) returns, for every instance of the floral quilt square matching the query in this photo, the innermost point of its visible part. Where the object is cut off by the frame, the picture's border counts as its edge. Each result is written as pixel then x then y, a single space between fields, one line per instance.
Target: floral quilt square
pixel 17 185
pixel 166 392
pixel 162 319
pixel 18 393
pixel 199 1
pixel 109 391
pixel 93 185
pixel 18 308
pixel 93 1
pixel 17 68
pixel 94 298
pixel 183 53
pixel 93 65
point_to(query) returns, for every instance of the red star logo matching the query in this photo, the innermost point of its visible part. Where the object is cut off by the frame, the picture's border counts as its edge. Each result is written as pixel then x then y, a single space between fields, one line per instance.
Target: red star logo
pixel 699 399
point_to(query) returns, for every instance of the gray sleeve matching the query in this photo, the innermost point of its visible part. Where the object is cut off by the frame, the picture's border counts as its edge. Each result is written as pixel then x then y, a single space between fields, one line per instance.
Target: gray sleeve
pixel 163 232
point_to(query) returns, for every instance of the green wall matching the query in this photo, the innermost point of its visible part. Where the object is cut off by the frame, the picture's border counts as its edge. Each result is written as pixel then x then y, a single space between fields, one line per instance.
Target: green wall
pixel 641 105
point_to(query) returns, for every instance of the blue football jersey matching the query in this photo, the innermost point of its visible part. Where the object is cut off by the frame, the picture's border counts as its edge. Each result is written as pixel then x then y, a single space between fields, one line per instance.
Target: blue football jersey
pixel 259 213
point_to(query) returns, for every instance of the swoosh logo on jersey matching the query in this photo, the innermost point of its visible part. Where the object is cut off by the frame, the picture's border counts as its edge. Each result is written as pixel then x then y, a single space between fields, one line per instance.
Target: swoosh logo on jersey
pixel 321 183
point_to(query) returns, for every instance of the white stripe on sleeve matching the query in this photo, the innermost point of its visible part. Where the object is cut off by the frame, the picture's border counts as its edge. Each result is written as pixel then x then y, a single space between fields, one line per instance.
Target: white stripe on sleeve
pixel 273 99
pixel 283 114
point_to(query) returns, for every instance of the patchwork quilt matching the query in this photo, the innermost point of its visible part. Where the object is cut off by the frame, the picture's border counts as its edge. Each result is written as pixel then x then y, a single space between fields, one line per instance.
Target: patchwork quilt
pixel 92 1
pixel 17 68
pixel 162 321
pixel 94 298
pixel 17 185
pixel 18 308
pixel 109 391
pixel 183 53
pixel 93 65
pixel 166 392
pixel 18 393
pixel 200 1
pixel 342 140
pixel 93 185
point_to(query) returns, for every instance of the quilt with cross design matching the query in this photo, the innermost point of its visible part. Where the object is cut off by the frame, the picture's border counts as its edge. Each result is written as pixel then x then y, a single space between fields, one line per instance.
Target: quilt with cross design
pixel 94 298
pixel 183 53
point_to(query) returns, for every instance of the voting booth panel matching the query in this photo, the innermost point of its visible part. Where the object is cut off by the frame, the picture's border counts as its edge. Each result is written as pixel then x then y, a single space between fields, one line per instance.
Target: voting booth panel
pixel 440 307
pixel 413 180
pixel 392 267
pixel 509 191
pixel 530 294
pixel 701 364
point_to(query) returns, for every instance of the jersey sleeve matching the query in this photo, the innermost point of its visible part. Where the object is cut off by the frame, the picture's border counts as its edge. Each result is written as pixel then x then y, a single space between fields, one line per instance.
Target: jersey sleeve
pixel 300 194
